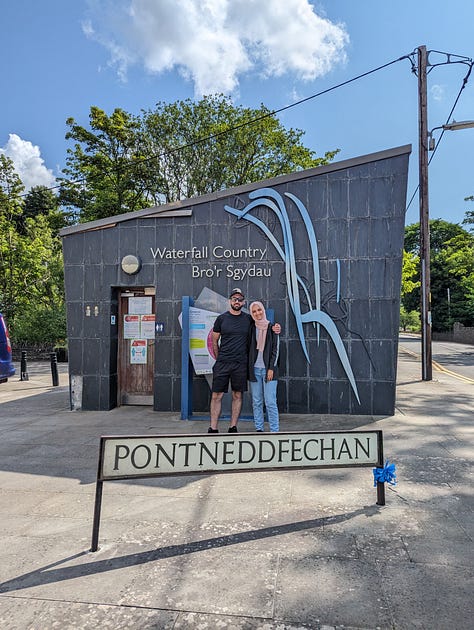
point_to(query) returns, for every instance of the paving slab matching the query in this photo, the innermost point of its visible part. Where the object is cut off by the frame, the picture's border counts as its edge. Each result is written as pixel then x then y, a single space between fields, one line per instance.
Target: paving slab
pixel 447 595
pixel 318 590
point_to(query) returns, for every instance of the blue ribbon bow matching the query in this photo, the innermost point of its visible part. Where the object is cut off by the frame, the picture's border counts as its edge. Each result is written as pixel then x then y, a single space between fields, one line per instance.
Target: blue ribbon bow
pixel 385 474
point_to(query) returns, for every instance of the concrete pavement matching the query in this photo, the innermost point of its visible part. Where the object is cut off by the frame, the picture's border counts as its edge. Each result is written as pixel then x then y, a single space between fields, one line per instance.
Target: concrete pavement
pixel 269 550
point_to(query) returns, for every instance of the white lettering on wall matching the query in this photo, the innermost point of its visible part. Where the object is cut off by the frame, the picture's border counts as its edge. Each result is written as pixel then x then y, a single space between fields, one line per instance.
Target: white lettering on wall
pixel 237 273
pixel 176 254
pixel 199 253
pixel 220 252
pixel 209 272
pixel 250 252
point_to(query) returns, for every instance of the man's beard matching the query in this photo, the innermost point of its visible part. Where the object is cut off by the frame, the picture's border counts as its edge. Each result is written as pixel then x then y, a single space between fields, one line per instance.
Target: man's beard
pixel 236 307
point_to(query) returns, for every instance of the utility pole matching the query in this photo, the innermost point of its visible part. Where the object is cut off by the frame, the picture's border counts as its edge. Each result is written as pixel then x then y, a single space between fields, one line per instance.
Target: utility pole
pixel 426 351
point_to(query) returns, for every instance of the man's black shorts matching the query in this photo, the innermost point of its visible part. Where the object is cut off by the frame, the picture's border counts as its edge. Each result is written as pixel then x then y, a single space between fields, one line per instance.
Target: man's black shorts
pixel 224 371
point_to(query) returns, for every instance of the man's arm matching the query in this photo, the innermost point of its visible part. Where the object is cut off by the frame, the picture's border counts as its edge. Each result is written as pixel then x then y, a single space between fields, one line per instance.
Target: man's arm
pixel 215 343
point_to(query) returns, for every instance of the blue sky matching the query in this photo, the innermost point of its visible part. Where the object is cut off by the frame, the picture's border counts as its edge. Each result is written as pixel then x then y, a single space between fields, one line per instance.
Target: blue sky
pixel 60 57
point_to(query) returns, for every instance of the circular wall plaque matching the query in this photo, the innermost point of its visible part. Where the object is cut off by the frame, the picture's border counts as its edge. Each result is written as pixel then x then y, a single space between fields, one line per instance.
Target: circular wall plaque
pixel 131 264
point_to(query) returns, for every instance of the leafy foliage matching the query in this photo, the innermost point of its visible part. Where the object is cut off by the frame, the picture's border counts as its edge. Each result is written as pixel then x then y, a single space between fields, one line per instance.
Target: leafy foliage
pixel 31 271
pixel 11 188
pixel 210 145
pixel 101 181
pixel 452 274
pixel 40 324
pixel 409 320
pixel 469 216
pixel 175 151
pixel 41 201
pixel 410 273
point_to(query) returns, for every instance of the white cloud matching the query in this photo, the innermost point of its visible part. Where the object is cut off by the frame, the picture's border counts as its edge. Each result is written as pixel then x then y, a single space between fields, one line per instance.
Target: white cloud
pixel 28 162
pixel 437 92
pixel 214 42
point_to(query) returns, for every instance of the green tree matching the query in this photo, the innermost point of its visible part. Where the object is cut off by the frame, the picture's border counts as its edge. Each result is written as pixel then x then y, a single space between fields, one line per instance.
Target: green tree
pixel 410 273
pixel 440 232
pixel 179 150
pixel 469 215
pixel 452 273
pixel 454 281
pixel 41 201
pixel 31 271
pixel 101 178
pixel 38 324
pixel 409 320
pixel 34 272
pixel 11 188
pixel 200 147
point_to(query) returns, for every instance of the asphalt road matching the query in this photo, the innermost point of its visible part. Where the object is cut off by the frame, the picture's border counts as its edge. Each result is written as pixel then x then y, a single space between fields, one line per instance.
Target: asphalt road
pixel 456 359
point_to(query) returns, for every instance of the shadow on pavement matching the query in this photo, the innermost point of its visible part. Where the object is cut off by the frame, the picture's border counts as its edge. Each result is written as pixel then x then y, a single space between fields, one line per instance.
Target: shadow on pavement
pixel 50 574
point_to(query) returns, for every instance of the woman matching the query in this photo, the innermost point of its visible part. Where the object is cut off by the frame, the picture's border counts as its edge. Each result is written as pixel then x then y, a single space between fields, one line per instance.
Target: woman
pixel 263 352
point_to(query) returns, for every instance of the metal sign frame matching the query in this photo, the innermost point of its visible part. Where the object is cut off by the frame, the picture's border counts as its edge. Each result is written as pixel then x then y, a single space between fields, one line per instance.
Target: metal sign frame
pixel 227 441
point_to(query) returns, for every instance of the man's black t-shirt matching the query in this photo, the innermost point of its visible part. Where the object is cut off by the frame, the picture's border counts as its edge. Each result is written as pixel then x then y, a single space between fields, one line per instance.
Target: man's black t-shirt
pixel 234 330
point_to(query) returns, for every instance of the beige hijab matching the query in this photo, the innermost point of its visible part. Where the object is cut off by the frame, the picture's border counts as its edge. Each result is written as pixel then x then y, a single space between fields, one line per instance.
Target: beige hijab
pixel 261 325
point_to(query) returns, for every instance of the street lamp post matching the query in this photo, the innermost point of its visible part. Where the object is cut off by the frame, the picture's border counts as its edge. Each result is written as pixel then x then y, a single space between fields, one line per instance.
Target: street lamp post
pixel 425 143
pixel 452 126
pixel 426 356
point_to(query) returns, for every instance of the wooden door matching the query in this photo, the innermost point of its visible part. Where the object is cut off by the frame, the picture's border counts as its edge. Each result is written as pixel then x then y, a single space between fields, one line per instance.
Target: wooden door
pixel 136 356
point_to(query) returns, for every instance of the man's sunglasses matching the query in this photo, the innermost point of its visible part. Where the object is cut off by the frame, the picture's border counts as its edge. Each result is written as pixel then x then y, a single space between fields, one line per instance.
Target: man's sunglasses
pixel 237 299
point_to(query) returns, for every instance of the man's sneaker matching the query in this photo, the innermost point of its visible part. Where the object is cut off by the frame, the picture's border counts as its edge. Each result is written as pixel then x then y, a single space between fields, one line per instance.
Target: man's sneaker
pixel 232 430
pixel 211 430
pixel 259 430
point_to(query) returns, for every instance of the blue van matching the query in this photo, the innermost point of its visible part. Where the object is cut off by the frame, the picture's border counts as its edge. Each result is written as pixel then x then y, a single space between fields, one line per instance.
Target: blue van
pixel 6 365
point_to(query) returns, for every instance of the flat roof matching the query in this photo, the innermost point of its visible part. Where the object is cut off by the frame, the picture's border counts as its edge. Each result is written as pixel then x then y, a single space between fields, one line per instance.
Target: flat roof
pixel 183 207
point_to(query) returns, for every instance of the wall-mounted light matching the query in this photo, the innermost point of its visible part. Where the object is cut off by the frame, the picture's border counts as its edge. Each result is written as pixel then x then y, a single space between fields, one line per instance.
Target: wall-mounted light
pixel 131 264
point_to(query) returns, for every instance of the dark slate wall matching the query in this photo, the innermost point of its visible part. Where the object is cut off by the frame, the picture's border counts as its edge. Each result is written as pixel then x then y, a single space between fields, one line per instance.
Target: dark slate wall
pixel 358 217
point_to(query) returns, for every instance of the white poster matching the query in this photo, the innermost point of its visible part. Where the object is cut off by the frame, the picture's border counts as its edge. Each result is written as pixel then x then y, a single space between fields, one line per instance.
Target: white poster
pixel 200 339
pixel 139 305
pixel 147 326
pixel 138 351
pixel 131 326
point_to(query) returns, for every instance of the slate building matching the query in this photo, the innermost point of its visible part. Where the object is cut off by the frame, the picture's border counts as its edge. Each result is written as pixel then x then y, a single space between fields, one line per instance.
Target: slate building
pixel 321 247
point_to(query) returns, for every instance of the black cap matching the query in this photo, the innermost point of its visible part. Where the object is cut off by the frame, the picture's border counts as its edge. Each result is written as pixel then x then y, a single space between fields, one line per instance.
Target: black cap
pixel 236 291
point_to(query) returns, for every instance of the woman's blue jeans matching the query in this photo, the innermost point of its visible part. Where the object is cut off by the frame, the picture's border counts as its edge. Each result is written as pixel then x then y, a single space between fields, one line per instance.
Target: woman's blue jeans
pixel 263 390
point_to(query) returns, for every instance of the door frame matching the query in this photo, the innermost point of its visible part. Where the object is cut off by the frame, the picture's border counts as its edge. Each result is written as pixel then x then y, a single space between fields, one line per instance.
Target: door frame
pixel 122 348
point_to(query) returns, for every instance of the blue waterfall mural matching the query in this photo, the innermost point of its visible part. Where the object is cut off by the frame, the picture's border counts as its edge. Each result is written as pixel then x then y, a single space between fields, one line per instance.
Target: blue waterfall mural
pixel 272 200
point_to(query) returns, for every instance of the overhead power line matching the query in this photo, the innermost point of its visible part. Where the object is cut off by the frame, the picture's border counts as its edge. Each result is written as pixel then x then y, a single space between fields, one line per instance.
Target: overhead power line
pixel 450 58
pixel 253 121
pixel 459 59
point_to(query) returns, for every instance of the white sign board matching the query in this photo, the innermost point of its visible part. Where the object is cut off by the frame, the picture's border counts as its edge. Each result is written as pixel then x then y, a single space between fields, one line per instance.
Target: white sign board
pixel 201 323
pixel 131 326
pixel 139 305
pixel 138 351
pixel 150 456
pixel 147 326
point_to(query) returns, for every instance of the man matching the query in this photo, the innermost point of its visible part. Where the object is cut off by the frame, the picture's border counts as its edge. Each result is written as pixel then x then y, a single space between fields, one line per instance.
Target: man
pixel 229 345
